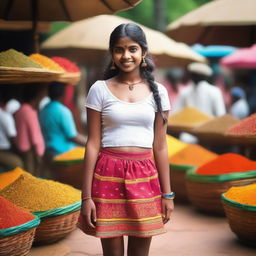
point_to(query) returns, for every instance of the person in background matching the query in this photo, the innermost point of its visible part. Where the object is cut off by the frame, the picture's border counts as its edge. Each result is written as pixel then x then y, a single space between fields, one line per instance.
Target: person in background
pixel 9 159
pixel 126 191
pixel 29 139
pixel 239 107
pixel 57 123
pixel 200 93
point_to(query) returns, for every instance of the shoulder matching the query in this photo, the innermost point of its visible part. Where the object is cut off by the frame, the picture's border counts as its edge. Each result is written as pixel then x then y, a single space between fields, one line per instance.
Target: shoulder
pixel 161 87
pixel 97 86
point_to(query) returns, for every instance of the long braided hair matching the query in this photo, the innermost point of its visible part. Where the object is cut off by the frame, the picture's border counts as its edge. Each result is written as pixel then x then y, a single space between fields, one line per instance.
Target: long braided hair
pixel 134 32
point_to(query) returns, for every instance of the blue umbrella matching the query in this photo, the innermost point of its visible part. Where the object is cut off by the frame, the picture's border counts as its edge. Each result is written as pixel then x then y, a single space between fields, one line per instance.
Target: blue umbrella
pixel 216 51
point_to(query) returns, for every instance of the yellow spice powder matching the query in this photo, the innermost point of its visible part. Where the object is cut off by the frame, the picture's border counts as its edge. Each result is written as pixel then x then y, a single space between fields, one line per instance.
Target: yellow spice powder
pixel 74 154
pixel 46 62
pixel 7 178
pixel 37 194
pixel 188 116
pixel 174 145
pixel 243 195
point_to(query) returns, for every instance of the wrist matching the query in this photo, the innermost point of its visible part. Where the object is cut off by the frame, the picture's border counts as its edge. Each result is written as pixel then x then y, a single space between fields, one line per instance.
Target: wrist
pixel 86 198
pixel 169 196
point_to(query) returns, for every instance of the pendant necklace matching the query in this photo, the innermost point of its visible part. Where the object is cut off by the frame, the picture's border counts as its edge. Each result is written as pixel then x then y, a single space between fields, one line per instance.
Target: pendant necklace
pixel 131 86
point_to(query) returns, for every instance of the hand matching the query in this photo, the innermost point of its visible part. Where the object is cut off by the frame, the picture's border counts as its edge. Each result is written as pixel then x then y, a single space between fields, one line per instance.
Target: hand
pixel 89 212
pixel 167 208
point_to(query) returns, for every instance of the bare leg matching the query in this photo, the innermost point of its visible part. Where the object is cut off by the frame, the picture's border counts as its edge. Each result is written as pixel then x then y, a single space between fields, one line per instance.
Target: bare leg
pixel 113 246
pixel 138 246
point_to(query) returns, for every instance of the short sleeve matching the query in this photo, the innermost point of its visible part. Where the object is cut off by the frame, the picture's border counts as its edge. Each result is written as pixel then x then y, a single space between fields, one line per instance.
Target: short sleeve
pixel 94 98
pixel 165 102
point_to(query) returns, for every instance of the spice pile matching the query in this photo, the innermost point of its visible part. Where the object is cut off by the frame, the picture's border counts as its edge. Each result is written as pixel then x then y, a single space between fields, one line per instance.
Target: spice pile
pixel 66 64
pixel 194 155
pixel 245 127
pixel 37 194
pixel 46 62
pixel 7 178
pixel 12 215
pixel 13 58
pixel 218 125
pixel 227 163
pixel 174 145
pixel 243 195
pixel 74 154
pixel 188 117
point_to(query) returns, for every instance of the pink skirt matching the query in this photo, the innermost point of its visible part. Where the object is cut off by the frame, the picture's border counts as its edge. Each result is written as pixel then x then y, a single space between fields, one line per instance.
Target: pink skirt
pixel 127 196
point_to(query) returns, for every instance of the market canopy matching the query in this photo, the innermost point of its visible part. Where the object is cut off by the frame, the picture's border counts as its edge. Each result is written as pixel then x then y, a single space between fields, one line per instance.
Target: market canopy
pixel 225 22
pixel 242 58
pixel 56 10
pixel 59 10
pixel 86 42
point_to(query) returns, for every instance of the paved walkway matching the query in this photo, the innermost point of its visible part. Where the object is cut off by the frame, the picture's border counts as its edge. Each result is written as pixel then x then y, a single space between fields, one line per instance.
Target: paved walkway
pixel 190 233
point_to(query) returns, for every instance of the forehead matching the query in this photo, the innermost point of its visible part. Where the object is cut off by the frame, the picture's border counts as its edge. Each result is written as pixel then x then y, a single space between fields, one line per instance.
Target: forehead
pixel 125 42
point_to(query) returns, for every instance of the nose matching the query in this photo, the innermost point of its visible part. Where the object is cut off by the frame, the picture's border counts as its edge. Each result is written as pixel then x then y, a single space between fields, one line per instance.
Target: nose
pixel 126 54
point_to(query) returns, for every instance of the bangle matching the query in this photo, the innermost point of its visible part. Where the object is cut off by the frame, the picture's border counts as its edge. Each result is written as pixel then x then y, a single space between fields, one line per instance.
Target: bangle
pixel 86 198
pixel 169 196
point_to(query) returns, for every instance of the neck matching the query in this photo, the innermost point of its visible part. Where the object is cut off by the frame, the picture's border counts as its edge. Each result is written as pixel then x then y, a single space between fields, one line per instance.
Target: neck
pixel 129 77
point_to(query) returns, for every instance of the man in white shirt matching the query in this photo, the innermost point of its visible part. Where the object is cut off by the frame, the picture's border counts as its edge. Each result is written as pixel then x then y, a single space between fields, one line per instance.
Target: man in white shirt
pixel 201 94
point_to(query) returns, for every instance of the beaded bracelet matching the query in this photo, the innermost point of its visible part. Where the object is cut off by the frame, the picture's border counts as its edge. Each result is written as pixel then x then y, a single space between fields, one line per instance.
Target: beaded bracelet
pixel 169 196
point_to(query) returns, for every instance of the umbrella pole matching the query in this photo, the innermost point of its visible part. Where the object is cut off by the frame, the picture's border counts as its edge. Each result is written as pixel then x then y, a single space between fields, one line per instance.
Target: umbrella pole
pixel 35 35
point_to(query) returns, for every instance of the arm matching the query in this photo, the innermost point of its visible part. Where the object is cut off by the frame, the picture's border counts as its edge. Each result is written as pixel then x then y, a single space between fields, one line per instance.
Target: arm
pixel 79 139
pixel 92 150
pixel 162 164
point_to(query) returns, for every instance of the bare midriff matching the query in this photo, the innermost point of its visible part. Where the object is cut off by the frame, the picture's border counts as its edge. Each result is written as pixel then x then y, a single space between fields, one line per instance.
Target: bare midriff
pixel 129 149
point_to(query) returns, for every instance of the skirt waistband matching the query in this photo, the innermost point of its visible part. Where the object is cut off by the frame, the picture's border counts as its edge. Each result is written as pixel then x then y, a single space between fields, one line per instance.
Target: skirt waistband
pixel 127 155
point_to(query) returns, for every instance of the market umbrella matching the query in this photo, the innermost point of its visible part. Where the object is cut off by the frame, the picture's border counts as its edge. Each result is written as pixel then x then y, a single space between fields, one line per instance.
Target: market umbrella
pixel 86 42
pixel 225 22
pixel 242 58
pixel 59 10
pixel 215 51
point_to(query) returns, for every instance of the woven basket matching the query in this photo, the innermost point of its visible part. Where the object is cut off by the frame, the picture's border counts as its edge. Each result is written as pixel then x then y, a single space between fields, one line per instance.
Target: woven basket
pixel 178 182
pixel 71 173
pixel 53 229
pixel 241 221
pixel 17 245
pixel 207 196
pixel 241 139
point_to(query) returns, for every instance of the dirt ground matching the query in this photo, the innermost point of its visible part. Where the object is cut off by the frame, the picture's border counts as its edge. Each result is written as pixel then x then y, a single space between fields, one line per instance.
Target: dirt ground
pixel 189 233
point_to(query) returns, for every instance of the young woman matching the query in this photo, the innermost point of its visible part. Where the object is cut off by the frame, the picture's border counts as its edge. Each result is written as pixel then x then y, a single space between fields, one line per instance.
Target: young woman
pixel 126 191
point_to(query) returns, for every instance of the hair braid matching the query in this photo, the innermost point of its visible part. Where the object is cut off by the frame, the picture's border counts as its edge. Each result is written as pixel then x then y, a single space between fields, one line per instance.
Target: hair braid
pixel 146 73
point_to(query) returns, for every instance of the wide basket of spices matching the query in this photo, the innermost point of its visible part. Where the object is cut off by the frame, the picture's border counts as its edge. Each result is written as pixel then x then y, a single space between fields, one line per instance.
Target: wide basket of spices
pixel 17 229
pixel 190 157
pixel 206 183
pixel 68 167
pixel 240 208
pixel 213 131
pixel 187 119
pixel 56 204
pixel 16 67
pixel 243 132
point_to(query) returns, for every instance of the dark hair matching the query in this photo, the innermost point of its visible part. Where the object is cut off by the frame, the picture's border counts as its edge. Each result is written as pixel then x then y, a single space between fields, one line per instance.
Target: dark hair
pixel 56 90
pixel 134 32
pixel 30 92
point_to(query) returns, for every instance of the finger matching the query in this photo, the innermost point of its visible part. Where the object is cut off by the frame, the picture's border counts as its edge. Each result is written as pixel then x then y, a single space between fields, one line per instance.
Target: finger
pixel 88 220
pixel 94 218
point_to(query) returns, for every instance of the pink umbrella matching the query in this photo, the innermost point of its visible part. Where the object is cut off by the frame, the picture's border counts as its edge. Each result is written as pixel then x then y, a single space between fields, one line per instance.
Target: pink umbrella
pixel 242 58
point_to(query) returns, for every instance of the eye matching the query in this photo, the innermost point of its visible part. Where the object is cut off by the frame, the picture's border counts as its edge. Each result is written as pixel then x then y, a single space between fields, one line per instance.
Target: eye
pixel 118 50
pixel 133 48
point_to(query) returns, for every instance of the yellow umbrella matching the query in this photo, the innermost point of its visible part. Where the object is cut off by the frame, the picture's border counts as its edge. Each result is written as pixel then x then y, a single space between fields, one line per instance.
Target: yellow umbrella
pixel 86 42
pixel 226 22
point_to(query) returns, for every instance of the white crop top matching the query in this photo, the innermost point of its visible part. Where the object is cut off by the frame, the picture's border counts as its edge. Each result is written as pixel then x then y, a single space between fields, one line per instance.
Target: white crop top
pixel 125 123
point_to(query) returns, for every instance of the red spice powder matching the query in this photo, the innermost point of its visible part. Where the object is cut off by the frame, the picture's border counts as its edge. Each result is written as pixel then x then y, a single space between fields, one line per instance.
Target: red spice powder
pixel 245 127
pixel 227 163
pixel 68 65
pixel 12 215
